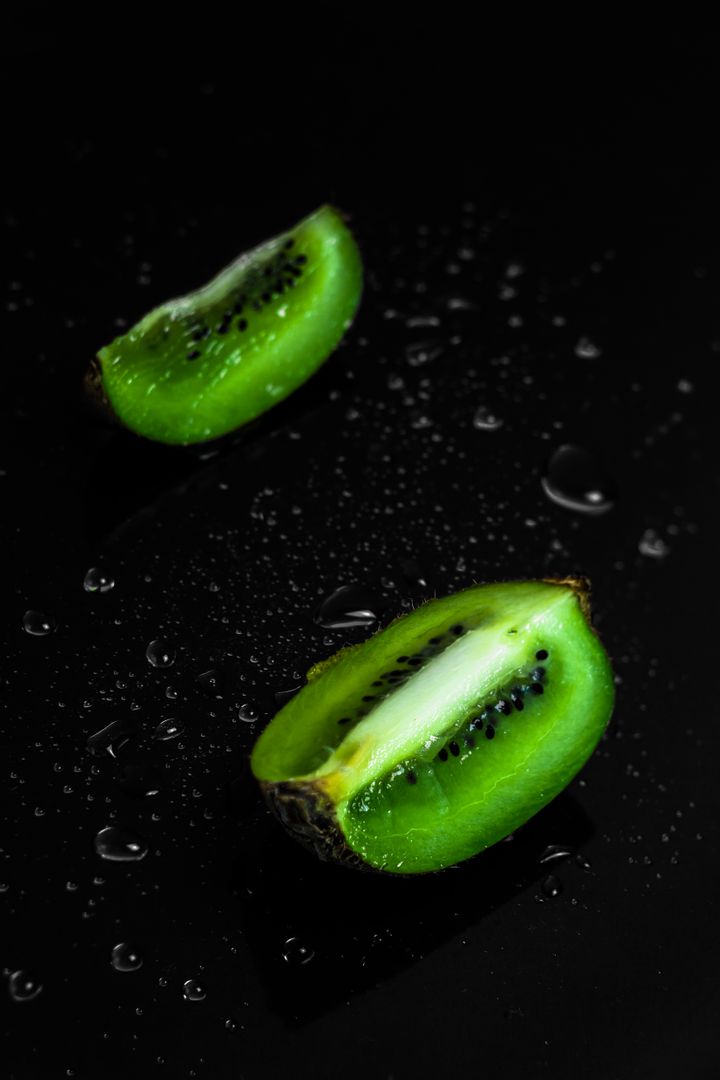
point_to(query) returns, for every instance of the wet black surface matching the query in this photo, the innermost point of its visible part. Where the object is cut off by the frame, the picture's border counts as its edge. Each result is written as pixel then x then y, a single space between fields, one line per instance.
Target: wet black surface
pixel 562 292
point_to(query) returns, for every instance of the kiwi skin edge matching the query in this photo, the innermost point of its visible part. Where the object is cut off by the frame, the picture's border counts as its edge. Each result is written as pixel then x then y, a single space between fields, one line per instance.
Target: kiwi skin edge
pixel 306 812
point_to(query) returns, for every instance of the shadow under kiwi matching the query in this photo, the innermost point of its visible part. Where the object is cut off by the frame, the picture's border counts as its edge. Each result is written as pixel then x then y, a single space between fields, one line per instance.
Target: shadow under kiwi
pixel 351 930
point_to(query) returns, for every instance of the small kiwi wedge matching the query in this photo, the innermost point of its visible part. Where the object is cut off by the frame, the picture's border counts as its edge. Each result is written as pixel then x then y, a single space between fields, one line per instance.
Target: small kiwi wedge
pixel 442 733
pixel 203 365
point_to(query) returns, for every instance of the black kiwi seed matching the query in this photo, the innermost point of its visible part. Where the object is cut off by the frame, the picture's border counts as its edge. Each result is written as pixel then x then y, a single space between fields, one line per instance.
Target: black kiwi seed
pixel 400 660
pixel 517 701
pixel 411 777
pixel 193 355
pixel 454 749
pixel 537 674
pixel 537 688
pixel 489 732
pixel 288 244
pixel 541 654
pixel 301 259
pixel 443 754
pixel 242 324
pixel 344 720
pixel 457 630
pixel 368 697
pixel 434 641
pixel 469 741
pixel 503 707
pixel 415 661
pixel 477 723
pixel 377 682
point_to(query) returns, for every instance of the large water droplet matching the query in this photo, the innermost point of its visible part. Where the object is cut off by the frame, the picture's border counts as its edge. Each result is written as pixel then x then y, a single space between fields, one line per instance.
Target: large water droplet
pixel 553 852
pixel 38 624
pixel 98 580
pixel 348 606
pixel 126 957
pixel 653 545
pixel 194 990
pixel 120 845
pixel 111 739
pixel 486 420
pixel 160 654
pixel 296 953
pixel 168 729
pixel 24 986
pixel 575 480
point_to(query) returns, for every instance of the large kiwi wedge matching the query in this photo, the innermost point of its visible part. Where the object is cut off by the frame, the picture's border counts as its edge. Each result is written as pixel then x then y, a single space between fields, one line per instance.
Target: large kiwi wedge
pixel 444 732
pixel 201 366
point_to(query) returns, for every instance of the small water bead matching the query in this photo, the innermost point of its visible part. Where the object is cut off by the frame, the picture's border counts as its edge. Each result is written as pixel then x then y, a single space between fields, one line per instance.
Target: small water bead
pixel 24 986
pixel 168 729
pixel 38 624
pixel 586 349
pixel 575 480
pixel 346 607
pixel 194 990
pixel 296 953
pixel 160 654
pixel 486 420
pixel 98 580
pixel 652 545
pixel 247 713
pixel 126 957
pixel 120 845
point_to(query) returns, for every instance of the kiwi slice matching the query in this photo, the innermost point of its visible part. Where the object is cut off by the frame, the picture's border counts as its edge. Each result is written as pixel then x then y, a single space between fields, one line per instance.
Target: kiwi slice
pixel 201 366
pixel 444 732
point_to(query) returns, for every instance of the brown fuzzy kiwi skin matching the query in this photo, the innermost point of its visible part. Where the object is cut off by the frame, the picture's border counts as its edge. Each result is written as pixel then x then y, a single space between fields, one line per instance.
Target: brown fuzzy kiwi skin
pixel 308 815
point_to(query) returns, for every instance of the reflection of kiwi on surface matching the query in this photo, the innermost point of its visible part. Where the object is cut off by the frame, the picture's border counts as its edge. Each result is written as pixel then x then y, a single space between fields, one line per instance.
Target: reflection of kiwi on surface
pixel 443 733
pixel 200 366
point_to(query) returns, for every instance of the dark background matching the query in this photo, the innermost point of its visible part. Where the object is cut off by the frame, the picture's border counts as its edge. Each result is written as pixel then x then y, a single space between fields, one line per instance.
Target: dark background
pixel 560 182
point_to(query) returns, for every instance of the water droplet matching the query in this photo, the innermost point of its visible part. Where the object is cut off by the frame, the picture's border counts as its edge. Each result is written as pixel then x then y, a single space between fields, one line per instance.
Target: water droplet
pixel 168 729
pixel 24 986
pixel 98 580
pixel 575 480
pixel 587 349
pixel 486 420
pixel 283 696
pixel 126 957
pixel 653 545
pixel 141 780
pixel 551 886
pixel 555 851
pixel 38 624
pixel 583 862
pixel 160 654
pixel 194 990
pixel 295 953
pixel 247 712
pixel 685 386
pixel 209 681
pixel 119 845
pixel 231 1025
pixel 112 738
pixel 422 352
pixel 348 606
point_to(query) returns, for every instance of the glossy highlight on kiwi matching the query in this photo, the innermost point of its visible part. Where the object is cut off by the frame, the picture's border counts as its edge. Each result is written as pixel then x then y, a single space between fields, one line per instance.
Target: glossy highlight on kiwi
pixel 203 365
pixel 443 733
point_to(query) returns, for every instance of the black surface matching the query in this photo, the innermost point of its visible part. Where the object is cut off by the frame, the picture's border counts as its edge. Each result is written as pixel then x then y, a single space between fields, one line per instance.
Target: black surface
pixel 530 177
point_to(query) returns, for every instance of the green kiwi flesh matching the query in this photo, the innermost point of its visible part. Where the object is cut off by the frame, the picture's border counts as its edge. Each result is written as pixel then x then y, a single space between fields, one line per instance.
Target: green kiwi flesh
pixel 203 365
pixel 443 733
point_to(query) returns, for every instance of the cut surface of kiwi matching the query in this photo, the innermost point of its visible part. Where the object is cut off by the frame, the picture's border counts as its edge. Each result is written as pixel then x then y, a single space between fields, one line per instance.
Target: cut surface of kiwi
pixel 443 733
pixel 203 365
